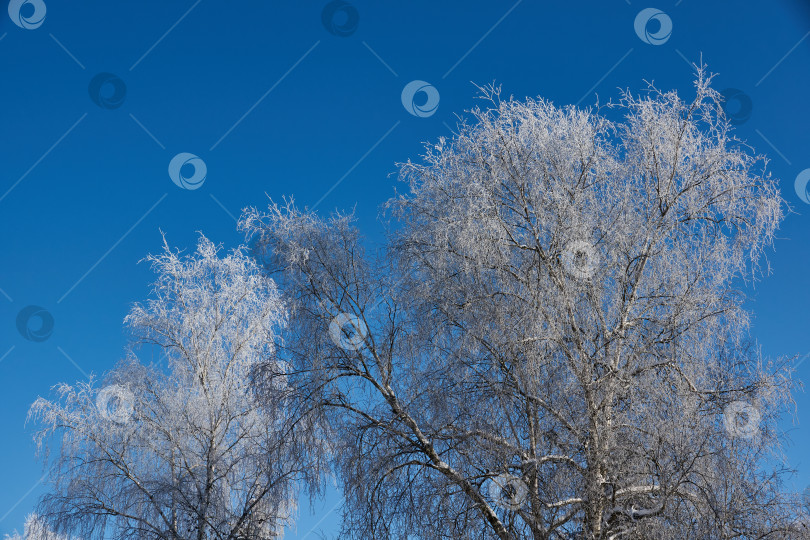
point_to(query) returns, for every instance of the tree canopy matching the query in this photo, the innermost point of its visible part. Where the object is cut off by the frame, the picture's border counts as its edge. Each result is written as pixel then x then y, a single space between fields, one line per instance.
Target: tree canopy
pixel 551 343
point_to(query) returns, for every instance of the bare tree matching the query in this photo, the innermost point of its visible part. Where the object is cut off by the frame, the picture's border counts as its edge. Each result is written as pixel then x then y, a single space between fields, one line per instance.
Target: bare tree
pixel 553 342
pixel 184 452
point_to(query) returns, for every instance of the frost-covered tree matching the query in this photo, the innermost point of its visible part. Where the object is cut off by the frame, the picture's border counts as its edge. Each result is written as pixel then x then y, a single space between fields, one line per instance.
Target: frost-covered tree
pixel 36 529
pixel 185 451
pixel 552 344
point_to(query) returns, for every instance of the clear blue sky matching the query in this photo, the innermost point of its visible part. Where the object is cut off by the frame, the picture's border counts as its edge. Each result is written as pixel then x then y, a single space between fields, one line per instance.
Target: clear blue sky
pixel 85 188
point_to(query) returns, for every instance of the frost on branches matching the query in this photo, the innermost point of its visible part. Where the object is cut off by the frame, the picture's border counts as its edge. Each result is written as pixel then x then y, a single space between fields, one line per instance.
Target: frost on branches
pixel 185 451
pixel 552 343
pixel 36 529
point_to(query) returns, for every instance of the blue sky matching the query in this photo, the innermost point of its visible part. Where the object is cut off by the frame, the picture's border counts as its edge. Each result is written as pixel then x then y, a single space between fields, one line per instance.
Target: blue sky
pixel 273 102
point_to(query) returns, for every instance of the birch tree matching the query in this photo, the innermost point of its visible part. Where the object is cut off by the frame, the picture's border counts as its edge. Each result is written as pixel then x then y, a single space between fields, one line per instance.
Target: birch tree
pixel 552 342
pixel 185 451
